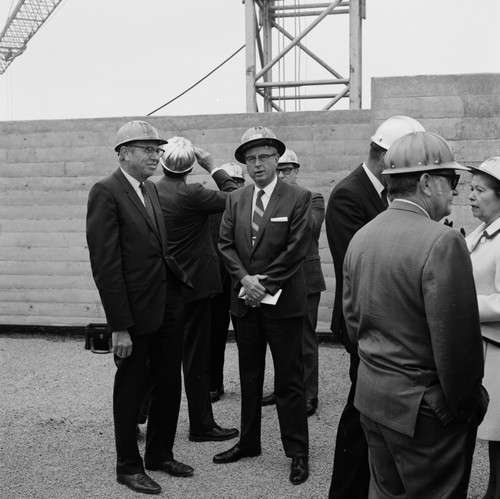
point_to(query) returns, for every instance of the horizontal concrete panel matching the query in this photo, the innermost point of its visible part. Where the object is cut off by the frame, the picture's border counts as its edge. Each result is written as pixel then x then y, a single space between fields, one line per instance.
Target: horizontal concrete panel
pixel 43 240
pixel 24 212
pixel 49 309
pixel 68 296
pixel 44 268
pixel 50 320
pixel 45 282
pixel 43 225
pixel 37 198
pixel 50 254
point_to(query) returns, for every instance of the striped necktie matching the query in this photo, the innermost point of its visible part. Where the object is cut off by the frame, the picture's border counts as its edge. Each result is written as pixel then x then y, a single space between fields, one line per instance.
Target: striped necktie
pixel 147 203
pixel 257 215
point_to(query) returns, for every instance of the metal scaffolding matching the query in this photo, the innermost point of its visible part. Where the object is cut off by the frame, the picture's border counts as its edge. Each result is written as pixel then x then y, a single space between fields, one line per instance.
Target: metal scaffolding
pixel 25 20
pixel 264 24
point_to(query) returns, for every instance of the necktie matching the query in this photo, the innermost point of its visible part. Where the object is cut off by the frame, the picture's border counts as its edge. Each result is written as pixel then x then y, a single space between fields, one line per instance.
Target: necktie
pixel 383 196
pixel 147 203
pixel 257 215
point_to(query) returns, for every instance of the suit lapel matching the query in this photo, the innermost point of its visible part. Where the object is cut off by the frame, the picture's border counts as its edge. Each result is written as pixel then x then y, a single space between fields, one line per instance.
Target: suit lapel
pixel 134 198
pixel 273 201
pixel 371 192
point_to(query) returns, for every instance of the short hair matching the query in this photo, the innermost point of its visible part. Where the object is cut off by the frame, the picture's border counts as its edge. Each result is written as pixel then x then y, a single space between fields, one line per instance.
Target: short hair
pixel 402 184
pixel 376 152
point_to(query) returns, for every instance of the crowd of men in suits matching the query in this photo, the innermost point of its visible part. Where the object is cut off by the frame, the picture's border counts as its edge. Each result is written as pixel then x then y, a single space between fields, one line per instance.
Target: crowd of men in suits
pixel 409 424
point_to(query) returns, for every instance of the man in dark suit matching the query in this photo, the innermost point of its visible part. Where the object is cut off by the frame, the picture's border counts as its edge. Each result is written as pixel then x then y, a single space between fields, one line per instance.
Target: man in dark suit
pixel 186 210
pixel 265 233
pixel 139 284
pixel 356 200
pixel 410 306
pixel 288 171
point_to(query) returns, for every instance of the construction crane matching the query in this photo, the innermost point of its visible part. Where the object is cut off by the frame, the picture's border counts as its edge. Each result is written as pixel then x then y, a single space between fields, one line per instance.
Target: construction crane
pixel 25 20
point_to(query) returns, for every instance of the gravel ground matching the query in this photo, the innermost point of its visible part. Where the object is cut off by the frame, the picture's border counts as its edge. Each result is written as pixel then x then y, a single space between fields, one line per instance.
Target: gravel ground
pixel 56 430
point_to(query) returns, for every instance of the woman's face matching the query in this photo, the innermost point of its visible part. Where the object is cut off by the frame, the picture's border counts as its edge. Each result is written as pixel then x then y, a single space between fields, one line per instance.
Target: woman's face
pixel 483 200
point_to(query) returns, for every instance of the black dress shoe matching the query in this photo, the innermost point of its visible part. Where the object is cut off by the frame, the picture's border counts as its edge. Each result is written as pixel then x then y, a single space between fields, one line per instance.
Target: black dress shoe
pixel 235 454
pixel 299 472
pixel 269 399
pixel 216 434
pixel 173 467
pixel 311 406
pixel 139 482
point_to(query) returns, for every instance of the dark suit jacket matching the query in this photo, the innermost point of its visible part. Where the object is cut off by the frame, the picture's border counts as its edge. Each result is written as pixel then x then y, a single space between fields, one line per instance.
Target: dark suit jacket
pixel 279 250
pixel 128 255
pixel 186 210
pixel 352 204
pixel 315 281
pixel 410 304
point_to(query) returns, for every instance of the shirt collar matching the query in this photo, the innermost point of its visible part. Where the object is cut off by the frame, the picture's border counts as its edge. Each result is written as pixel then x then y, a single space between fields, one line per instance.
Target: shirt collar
pixel 133 181
pixel 379 186
pixel 269 188
pixel 414 204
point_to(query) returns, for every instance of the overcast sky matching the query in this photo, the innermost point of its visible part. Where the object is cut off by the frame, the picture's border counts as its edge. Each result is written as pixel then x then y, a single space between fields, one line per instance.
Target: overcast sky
pixel 102 58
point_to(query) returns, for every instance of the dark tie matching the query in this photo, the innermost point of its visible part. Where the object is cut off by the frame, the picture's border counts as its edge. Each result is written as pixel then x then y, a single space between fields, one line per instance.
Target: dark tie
pixel 147 203
pixel 257 215
pixel 383 196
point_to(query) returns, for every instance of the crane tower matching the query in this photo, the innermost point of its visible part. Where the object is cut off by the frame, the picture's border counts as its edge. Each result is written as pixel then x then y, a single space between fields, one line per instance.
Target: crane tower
pixel 268 35
pixel 25 20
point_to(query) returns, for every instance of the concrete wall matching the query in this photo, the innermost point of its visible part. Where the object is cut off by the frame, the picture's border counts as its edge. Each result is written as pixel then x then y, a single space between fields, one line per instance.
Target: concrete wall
pixel 48 167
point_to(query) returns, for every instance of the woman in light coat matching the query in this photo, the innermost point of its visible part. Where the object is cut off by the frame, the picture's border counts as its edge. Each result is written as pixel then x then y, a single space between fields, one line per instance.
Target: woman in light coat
pixel 484 247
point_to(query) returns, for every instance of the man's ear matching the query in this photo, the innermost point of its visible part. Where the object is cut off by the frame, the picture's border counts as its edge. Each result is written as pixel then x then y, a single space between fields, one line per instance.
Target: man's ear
pixel 425 183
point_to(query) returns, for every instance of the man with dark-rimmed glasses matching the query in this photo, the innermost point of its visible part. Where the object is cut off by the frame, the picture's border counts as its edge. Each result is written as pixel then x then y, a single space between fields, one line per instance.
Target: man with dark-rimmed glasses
pixel 264 236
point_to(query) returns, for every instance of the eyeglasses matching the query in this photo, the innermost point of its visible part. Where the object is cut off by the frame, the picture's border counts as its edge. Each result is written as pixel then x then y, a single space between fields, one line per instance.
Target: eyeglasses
pixel 285 171
pixel 263 158
pixel 452 177
pixel 150 150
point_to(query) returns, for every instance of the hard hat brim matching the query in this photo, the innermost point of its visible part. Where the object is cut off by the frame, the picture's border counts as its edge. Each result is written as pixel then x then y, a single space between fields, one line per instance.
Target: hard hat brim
pixel 482 169
pixel 160 142
pixel 266 141
pixel 425 168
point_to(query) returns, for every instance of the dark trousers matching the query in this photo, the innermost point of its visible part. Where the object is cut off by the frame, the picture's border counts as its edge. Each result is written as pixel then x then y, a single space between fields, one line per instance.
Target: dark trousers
pixel 351 472
pixel 310 347
pixel 285 341
pixel 435 463
pixel 195 365
pixel 218 334
pixel 163 351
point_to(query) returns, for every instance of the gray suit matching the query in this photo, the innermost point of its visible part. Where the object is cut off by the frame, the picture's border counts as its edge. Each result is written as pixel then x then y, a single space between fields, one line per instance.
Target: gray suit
pixel 410 306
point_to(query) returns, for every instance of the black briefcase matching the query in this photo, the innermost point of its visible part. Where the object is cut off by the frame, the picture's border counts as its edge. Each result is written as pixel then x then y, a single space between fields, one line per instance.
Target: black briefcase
pixel 98 338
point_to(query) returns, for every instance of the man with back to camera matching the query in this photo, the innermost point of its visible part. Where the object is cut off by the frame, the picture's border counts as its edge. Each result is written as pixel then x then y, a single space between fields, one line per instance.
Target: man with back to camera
pixel 356 200
pixel 186 210
pixel 411 308
pixel 139 285
pixel 265 233
pixel 288 171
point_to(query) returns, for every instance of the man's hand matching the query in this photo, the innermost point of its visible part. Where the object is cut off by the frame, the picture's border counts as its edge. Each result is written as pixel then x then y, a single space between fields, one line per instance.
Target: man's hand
pixel 122 343
pixel 253 288
pixel 204 159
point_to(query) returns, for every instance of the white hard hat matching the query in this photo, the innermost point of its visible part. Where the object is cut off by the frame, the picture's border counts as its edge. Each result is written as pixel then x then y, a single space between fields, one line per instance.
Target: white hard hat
pixel 258 136
pixel 289 157
pixel 420 152
pixel 179 156
pixel 393 128
pixel 137 130
pixel 491 167
pixel 234 170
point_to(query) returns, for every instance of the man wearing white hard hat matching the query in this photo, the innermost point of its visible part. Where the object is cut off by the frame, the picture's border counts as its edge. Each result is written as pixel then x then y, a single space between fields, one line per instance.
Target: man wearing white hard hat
pixel 356 200
pixel 139 285
pixel 265 233
pixel 410 307
pixel 186 208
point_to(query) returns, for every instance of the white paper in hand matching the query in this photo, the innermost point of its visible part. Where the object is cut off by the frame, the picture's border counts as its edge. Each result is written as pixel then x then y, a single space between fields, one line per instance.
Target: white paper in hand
pixel 267 300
